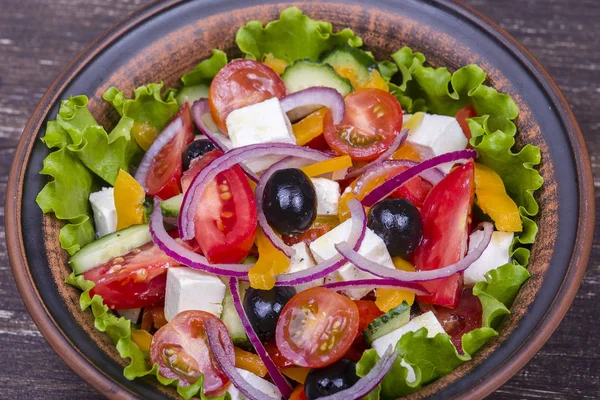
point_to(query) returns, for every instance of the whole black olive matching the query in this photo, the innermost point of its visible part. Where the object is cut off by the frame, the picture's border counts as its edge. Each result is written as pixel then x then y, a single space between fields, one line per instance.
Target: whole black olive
pixel 263 308
pixel 398 223
pixel 194 150
pixel 329 380
pixel 290 201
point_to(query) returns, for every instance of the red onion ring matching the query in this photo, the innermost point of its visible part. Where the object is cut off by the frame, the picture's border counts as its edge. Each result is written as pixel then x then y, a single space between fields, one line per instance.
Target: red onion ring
pixel 385 189
pixel 378 284
pixel 381 271
pixel 282 384
pixel 215 340
pixel 233 157
pixel 167 134
pixel 186 256
pixel 316 96
pixel 398 141
pixel 219 140
pixel 367 383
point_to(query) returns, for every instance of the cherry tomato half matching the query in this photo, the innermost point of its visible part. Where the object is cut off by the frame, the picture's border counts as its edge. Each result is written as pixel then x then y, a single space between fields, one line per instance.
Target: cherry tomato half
pixel 462 115
pixel 181 351
pixel 446 216
pixel 239 84
pixel 372 121
pixel 165 170
pixel 316 327
pixel 135 280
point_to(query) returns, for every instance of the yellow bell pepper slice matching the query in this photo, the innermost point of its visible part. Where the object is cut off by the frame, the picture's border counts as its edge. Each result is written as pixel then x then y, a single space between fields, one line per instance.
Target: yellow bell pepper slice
pixel 493 200
pixel 144 134
pixel 297 374
pixel 129 201
pixel 331 165
pixel 375 80
pixel 390 298
pixel 310 127
pixel 276 64
pixel 142 338
pixel 271 262
pixel 250 362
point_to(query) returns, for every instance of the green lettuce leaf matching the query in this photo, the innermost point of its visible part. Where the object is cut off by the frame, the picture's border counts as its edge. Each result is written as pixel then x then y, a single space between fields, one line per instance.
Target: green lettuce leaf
pixel 206 70
pixel 119 331
pixel 294 36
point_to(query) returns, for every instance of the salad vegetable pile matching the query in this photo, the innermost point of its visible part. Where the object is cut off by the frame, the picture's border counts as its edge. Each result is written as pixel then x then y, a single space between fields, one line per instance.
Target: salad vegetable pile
pixel 306 222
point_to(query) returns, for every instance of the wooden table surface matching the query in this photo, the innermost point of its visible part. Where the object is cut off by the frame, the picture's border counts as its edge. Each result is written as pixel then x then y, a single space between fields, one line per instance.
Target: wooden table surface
pixel 39 37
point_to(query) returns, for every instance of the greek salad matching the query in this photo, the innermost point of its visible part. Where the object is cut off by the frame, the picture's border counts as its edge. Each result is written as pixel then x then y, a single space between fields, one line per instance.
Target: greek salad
pixel 305 222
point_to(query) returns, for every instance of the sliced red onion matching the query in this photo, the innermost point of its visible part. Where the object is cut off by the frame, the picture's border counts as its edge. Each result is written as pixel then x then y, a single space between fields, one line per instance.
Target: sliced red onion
pixel 315 97
pixel 186 256
pixel 167 134
pixel 215 340
pixel 385 189
pixel 233 157
pixel 369 382
pixel 378 284
pixel 282 384
pixel 381 271
pixel 399 141
pixel 200 111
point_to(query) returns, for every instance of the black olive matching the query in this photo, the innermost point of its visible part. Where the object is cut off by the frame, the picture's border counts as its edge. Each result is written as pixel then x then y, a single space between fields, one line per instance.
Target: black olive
pixel 329 380
pixel 263 308
pixel 290 201
pixel 194 150
pixel 398 223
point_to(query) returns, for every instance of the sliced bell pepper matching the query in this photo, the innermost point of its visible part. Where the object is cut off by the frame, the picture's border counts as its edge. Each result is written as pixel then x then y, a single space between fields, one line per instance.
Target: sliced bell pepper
pixel 331 165
pixel 310 127
pixel 271 262
pixel 375 80
pixel 142 338
pixel 144 134
pixel 250 362
pixel 494 201
pixel 129 201
pixel 276 64
pixel 297 374
pixel 390 298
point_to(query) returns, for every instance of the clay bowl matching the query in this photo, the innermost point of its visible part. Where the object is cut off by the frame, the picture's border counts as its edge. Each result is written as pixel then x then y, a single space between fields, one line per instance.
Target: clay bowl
pixel 166 39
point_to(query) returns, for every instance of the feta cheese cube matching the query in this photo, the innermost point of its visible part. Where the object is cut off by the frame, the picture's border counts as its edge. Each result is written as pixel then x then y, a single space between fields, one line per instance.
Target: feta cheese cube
pixel 264 122
pixel 188 289
pixel 328 196
pixel 494 256
pixel 441 134
pixel 104 210
pixel 300 261
pixel 372 247
pixel 257 382
pixel 426 320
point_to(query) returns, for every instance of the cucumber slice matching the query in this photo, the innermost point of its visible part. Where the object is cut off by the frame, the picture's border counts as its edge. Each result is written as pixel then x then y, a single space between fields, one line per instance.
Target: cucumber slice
pixel 232 320
pixel 388 322
pixel 172 206
pixel 108 247
pixel 191 94
pixel 351 57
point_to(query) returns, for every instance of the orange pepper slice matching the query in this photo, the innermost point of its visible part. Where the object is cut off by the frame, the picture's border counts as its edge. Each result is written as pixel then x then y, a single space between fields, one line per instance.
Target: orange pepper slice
pixel 375 80
pixel 250 362
pixel 386 299
pixel 129 201
pixel 276 64
pixel 271 262
pixel 309 127
pixel 142 338
pixel 331 165
pixel 296 373
pixel 494 201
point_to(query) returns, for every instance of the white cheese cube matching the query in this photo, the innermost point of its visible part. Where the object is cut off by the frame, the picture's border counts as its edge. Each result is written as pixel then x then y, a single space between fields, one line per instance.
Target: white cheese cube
pixel 426 320
pixel 104 210
pixel 494 256
pixel 300 261
pixel 441 134
pixel 372 247
pixel 188 289
pixel 257 382
pixel 328 196
pixel 260 123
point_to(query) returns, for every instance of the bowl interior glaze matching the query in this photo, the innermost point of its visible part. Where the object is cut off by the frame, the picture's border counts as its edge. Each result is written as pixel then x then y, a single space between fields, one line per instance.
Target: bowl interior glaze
pixel 168 39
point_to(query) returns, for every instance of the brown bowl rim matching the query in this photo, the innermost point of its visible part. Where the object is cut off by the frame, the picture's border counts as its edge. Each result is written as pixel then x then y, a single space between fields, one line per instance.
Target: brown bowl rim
pixel 101 382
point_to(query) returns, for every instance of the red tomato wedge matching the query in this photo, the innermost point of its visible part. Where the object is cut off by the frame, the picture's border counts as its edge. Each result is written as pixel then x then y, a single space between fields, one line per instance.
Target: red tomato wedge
pixel 166 169
pixel 239 84
pixel 415 190
pixel 226 218
pixel 372 121
pixel 462 115
pixel 446 216
pixel 317 230
pixel 316 327
pixel 196 166
pixel 135 280
pixel 367 312
pixel 181 351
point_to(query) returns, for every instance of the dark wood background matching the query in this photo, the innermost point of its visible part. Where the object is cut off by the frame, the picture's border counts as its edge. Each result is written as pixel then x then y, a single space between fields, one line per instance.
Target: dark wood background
pixel 39 37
